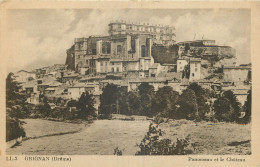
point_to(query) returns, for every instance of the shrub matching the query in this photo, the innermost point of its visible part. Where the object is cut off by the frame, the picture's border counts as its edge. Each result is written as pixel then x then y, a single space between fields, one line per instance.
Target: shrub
pixel 118 152
pixel 44 109
pixel 153 145
pixel 14 129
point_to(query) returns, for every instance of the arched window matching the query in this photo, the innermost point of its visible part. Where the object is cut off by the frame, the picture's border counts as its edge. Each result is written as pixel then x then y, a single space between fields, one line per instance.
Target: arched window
pixel 112 69
pixel 143 51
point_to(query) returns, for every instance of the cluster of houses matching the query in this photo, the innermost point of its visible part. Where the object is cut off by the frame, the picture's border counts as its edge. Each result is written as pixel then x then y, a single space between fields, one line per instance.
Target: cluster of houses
pixel 125 58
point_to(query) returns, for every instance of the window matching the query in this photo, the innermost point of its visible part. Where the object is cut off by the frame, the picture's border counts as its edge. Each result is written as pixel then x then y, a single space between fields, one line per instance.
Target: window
pixel 181 68
pixel 112 69
pixel 94 51
pixel 179 62
pixel 193 74
pixel 132 43
pixel 117 69
pixel 143 51
pixel 101 63
pixel 196 69
pixel 113 64
pixel 196 64
pixel 119 49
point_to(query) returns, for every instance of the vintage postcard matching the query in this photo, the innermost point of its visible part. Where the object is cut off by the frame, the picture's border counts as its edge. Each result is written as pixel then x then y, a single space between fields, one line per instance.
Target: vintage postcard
pixel 130 84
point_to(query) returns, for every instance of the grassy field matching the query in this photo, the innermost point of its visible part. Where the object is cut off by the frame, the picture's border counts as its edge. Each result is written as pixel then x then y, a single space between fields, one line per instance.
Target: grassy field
pixel 211 138
pixel 101 137
pixel 38 127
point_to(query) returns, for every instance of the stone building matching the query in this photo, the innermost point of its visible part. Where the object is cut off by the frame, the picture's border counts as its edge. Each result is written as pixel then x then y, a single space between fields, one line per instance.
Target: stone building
pixel 76 90
pixel 23 76
pixel 237 73
pixel 128 47
pixel 161 34
pixel 127 55
pixel 195 69
pixel 50 70
pixel 181 63
pixel 206 49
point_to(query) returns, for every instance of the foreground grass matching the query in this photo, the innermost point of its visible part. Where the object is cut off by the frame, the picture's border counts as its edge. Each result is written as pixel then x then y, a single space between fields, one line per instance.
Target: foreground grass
pixel 98 138
pixel 39 127
pixel 211 138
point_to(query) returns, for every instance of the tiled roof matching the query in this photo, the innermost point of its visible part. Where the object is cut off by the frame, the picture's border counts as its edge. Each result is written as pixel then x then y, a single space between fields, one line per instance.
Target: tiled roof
pixel 83 85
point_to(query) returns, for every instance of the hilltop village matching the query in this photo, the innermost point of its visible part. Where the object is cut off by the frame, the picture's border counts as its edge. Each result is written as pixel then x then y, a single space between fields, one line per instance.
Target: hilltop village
pixel 132 54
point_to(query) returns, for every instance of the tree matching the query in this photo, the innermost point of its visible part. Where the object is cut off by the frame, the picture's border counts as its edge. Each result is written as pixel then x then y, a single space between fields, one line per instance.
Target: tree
pixel 134 103
pixel 236 105
pixel 123 103
pixel 16 107
pixel 223 109
pixel 202 96
pixel 12 88
pixel 86 105
pixel 14 129
pixel 187 103
pixel 43 109
pixel 16 104
pixel 164 102
pixel 72 103
pixel 146 93
pixel 247 107
pixel 109 100
pixel 186 48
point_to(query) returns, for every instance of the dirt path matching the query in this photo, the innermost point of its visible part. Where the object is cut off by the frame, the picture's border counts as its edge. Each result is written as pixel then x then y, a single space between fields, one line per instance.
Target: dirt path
pixel 101 137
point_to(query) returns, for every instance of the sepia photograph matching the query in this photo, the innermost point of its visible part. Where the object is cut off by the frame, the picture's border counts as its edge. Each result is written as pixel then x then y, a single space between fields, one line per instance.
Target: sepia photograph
pixel 129 82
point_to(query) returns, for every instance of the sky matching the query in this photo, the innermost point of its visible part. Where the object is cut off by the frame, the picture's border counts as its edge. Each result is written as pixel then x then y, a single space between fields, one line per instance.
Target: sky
pixel 40 37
